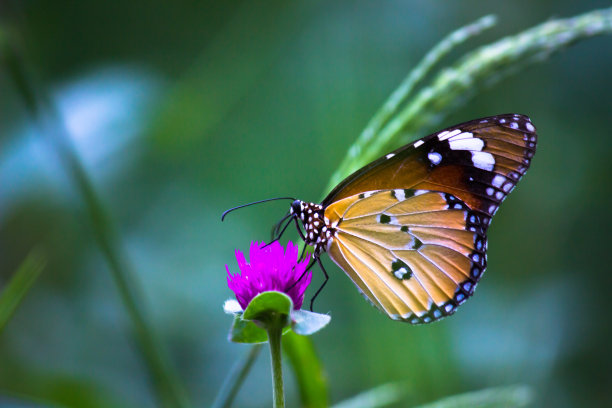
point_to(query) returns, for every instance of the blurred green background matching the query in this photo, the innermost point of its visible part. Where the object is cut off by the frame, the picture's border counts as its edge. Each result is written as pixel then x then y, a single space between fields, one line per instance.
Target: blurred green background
pixel 180 110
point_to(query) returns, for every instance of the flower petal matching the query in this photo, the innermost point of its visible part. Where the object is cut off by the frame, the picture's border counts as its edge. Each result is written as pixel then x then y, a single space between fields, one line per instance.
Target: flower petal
pixel 271 268
pixel 231 306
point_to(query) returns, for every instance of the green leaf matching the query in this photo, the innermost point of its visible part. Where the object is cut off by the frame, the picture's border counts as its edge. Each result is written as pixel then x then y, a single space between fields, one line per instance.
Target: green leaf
pixel 377 397
pixel 306 323
pixel 506 397
pixel 269 308
pixel 307 369
pixel 245 331
pixel 20 283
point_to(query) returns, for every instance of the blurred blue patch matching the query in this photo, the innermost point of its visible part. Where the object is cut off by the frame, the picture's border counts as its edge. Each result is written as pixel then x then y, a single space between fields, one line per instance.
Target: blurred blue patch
pixel 104 113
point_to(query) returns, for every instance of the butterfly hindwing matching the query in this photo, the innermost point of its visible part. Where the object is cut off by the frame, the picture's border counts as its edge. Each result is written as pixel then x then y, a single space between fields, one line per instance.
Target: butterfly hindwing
pixel 415 254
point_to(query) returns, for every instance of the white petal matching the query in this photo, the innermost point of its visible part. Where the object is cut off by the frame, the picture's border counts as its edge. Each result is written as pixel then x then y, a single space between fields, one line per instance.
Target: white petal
pixel 231 306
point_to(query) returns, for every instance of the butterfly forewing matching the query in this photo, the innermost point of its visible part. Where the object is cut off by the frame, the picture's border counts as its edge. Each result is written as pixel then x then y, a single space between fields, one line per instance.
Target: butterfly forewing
pixel 413 253
pixel 478 162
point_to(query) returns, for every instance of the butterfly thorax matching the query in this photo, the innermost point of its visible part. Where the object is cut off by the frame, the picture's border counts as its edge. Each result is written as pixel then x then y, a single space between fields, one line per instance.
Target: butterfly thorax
pixel 318 230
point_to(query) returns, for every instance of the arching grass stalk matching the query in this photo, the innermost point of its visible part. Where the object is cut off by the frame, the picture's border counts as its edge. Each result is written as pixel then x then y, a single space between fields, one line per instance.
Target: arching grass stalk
pixel 397 124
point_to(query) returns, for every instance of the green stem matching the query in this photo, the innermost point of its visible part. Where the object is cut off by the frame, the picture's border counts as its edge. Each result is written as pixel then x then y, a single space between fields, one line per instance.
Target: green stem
pixel 275 333
pixel 235 378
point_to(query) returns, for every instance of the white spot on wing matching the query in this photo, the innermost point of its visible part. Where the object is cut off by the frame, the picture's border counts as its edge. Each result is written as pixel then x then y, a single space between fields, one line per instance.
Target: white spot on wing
pixel 498 180
pixel 471 143
pixel 483 160
pixel 390 155
pixel 434 158
pixel 514 125
pixel 418 143
pixel 529 126
pixel 400 195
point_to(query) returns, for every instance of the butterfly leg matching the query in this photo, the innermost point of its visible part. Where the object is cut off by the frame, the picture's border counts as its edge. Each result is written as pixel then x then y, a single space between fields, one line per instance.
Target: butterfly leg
pixel 274 239
pixel 301 258
pixel 322 285
pixel 310 265
pixel 278 226
pixel 299 229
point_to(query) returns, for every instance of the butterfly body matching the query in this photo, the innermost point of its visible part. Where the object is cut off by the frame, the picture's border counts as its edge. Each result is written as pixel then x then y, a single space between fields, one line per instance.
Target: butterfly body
pixel 410 229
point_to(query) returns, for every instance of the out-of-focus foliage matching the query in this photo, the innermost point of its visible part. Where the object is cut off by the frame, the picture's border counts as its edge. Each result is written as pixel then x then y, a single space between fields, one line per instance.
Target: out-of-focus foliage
pixel 179 111
pixel 18 286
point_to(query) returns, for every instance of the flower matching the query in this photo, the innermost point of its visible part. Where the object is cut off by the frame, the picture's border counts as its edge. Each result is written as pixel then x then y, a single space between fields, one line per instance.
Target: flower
pixel 270 268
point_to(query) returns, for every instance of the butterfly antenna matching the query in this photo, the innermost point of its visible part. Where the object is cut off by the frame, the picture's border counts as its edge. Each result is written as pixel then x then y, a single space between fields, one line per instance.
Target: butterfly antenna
pixel 253 203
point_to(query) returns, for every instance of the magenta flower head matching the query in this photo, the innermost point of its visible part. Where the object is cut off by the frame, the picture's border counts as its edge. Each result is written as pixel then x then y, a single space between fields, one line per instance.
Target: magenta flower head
pixel 270 268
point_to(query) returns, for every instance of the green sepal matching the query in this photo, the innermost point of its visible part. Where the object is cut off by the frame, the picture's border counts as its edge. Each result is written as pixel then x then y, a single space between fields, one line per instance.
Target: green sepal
pixel 269 308
pixel 306 323
pixel 245 331
pixel 266 310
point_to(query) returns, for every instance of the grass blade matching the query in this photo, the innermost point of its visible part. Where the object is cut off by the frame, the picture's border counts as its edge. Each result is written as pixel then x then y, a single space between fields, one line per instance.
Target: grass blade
pixel 19 285
pixel 455 84
pixel 380 396
pixel 236 377
pixel 307 369
pixel 507 397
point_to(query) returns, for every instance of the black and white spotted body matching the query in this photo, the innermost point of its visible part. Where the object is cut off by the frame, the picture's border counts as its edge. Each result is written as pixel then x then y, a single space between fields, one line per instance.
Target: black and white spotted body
pixel 318 231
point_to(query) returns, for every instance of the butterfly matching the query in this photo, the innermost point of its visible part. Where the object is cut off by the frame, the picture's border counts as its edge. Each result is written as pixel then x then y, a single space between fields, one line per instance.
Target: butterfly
pixel 410 229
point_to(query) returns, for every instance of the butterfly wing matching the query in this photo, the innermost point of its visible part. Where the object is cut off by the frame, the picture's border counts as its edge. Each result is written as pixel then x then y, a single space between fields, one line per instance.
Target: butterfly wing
pixel 479 162
pixel 415 254
pixel 411 226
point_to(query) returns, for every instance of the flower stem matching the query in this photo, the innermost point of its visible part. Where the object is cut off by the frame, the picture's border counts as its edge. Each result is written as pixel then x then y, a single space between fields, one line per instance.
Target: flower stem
pixel 274 338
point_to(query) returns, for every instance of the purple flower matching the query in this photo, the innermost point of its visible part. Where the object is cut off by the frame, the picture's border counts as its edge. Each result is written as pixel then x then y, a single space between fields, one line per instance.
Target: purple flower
pixel 271 268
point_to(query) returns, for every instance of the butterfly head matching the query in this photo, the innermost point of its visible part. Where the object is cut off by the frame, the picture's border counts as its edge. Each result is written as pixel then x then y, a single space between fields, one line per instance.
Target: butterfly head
pixel 318 231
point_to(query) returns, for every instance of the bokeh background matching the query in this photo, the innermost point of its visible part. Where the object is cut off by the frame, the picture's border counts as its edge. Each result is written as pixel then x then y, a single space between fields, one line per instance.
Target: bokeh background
pixel 180 110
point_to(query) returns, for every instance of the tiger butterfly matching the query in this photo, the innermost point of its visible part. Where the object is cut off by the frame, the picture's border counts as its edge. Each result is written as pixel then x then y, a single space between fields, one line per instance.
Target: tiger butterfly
pixel 410 229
